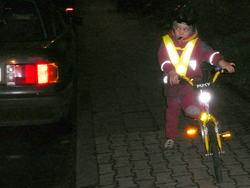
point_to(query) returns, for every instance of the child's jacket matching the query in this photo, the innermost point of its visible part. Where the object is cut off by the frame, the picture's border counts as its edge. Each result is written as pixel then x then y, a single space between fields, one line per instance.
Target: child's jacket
pixel 167 58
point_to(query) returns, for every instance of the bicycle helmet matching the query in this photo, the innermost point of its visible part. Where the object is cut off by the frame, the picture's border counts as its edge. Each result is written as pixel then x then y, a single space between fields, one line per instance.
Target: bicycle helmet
pixel 186 14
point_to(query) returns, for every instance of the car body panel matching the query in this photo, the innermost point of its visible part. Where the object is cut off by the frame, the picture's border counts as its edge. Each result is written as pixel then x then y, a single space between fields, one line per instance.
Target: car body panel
pixel 38 103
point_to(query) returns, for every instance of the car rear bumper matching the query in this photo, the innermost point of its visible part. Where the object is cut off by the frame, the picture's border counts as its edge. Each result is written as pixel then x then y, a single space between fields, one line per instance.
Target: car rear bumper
pixel 35 109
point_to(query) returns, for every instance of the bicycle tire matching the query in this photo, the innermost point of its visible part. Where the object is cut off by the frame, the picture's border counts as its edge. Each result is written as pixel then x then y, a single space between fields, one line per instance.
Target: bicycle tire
pixel 215 152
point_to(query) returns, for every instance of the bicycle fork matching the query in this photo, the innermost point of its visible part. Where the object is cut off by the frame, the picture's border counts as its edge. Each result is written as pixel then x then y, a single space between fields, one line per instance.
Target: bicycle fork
pixel 206 117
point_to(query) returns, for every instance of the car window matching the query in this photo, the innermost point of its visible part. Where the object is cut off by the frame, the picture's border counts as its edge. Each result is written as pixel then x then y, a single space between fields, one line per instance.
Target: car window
pixel 56 22
pixel 20 21
pixel 53 21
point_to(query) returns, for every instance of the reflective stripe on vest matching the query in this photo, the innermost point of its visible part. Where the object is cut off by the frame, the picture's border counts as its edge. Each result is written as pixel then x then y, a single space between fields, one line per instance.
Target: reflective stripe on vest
pixel 180 63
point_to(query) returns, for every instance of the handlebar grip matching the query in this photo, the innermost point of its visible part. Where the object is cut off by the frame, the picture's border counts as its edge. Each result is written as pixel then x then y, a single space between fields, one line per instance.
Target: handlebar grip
pixel 185 80
pixel 182 81
pixel 207 66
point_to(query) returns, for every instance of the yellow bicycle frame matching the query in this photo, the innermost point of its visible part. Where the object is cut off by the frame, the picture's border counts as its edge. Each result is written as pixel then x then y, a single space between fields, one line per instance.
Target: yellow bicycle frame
pixel 206 117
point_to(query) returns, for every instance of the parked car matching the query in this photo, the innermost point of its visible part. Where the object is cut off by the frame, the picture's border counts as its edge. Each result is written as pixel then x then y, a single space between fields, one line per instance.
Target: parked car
pixel 38 63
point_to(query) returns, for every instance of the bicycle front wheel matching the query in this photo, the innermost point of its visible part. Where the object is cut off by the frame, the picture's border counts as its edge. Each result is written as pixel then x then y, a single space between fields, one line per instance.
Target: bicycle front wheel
pixel 214 149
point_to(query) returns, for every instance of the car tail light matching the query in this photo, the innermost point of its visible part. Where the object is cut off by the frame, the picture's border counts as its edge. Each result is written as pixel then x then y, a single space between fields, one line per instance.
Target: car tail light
pixel 41 73
pixel 69 9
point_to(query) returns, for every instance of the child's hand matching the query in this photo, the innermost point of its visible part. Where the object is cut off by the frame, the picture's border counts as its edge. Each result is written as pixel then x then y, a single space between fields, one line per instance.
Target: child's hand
pixel 173 77
pixel 228 66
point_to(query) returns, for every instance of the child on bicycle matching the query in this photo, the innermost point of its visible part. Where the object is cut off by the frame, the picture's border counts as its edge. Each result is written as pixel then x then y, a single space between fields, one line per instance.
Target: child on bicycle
pixel 180 54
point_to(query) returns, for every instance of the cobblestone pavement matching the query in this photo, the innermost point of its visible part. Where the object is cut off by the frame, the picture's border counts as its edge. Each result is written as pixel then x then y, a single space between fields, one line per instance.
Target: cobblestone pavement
pixel 127 113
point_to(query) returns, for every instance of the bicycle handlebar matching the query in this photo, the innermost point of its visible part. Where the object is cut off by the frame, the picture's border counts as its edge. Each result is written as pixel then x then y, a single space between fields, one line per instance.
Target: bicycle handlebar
pixel 204 66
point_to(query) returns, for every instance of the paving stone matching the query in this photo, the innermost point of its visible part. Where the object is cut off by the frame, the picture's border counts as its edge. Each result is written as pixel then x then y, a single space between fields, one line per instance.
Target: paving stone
pixel 190 153
pixel 153 148
pixel 156 158
pixel 226 185
pixel 106 186
pixel 167 185
pixel 108 122
pixel 206 183
pixel 179 170
pixel 162 142
pixel 106 168
pixel 245 139
pixel 138 155
pixel 134 136
pixel 247 145
pixel 145 184
pixel 185 144
pixel 124 172
pixel 145 134
pixel 194 162
pixel 226 150
pixel 140 165
pixel 151 139
pixel 227 179
pixel 246 163
pixel 164 178
pixel 230 160
pixel 100 101
pixel 176 159
pixel 121 161
pixel 121 152
pixel 135 144
pixel 139 121
pixel 210 170
pixel 126 182
pixel 130 100
pixel 143 174
pixel 103 148
pixel 236 170
pixel 104 158
pixel 200 173
pixel 242 153
pixel 161 133
pixel 184 181
pixel 235 144
pixel 239 129
pixel 107 179
pixel 117 135
pixel 117 142
pixel 102 140
pixel 200 149
pixel 242 181
pixel 159 167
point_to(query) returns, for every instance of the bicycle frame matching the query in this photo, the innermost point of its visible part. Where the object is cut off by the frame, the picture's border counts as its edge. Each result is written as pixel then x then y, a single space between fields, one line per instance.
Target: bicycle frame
pixel 209 124
pixel 207 116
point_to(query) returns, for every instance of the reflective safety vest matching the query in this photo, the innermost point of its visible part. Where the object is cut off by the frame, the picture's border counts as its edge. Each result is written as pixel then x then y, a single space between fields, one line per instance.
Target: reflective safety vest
pixel 180 62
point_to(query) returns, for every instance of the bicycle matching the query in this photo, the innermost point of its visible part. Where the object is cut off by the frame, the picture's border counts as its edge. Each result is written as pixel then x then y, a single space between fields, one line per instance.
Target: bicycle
pixel 208 124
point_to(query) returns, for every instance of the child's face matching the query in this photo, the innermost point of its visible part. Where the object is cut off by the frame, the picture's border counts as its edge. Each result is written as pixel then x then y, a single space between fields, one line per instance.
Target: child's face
pixel 182 30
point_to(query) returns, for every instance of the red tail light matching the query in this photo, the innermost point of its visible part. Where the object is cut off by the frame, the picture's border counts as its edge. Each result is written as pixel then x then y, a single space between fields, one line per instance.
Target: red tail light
pixel 69 9
pixel 41 73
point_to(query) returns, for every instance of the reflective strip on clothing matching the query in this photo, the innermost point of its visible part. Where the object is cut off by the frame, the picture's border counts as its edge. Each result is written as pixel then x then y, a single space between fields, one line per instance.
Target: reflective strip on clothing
pixel 212 56
pixel 180 62
pixel 162 65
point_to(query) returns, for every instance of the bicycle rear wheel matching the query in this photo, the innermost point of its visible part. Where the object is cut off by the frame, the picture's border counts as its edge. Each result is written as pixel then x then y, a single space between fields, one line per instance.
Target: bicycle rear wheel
pixel 215 152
